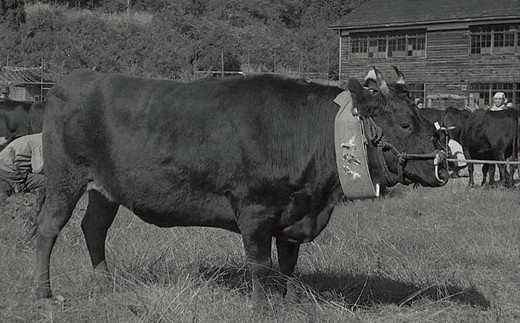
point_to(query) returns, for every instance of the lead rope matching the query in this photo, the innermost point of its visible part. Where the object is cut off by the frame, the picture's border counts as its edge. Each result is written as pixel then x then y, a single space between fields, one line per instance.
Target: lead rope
pixel 374 134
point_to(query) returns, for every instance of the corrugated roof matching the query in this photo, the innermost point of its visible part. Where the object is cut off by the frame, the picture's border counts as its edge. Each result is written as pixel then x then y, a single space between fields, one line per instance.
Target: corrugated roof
pixel 10 75
pixel 388 13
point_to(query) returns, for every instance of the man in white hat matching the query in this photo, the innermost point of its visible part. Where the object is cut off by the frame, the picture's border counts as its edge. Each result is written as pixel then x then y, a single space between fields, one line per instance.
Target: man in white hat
pixel 499 102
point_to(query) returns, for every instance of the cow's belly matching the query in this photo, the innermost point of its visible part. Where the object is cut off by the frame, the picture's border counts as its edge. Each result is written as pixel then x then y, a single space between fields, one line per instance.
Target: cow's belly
pixel 172 207
pixel 177 218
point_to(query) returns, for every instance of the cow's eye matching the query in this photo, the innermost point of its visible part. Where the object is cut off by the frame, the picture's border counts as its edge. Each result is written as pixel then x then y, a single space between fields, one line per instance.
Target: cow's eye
pixel 405 125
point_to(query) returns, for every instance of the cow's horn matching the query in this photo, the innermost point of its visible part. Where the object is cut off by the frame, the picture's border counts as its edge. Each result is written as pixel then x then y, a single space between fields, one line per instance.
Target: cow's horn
pixel 400 74
pixel 383 87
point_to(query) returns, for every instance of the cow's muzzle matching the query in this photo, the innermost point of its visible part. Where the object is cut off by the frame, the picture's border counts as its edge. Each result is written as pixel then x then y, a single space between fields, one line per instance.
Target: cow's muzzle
pixel 439 162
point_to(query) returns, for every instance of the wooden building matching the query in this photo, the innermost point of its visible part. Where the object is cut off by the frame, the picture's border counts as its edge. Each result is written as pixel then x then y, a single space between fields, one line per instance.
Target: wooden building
pixel 25 84
pixel 452 52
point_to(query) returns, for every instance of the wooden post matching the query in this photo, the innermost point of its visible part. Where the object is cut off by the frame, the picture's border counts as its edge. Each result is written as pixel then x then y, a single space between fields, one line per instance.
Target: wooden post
pixel 248 61
pixel 300 64
pixel 42 66
pixel 328 65
pixel 274 61
pixel 222 61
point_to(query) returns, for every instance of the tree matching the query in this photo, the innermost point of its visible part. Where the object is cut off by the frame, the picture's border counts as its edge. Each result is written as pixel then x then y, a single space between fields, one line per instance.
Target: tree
pixel 12 13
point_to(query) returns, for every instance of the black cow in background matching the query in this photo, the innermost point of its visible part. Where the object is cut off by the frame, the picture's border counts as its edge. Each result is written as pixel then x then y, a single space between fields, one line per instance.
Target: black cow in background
pixel 431 115
pixel 19 118
pixel 451 123
pixel 453 120
pixel 491 135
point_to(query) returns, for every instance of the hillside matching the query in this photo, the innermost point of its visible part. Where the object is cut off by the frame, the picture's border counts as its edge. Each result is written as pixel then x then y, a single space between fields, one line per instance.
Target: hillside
pixel 175 39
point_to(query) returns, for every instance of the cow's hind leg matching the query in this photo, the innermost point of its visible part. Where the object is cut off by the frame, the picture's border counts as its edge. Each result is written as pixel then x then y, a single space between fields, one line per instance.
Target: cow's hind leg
pixel 485 172
pixel 60 200
pixel 470 172
pixel 287 258
pixel 491 173
pixel 97 220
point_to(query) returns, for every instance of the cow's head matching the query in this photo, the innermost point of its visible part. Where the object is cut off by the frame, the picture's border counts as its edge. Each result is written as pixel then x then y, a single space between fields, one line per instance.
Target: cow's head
pixel 393 111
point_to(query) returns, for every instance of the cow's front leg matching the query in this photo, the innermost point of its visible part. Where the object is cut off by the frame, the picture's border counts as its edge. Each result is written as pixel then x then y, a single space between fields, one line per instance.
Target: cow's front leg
pixel 502 169
pixel 491 173
pixel 256 230
pixel 485 171
pixel 471 168
pixel 287 259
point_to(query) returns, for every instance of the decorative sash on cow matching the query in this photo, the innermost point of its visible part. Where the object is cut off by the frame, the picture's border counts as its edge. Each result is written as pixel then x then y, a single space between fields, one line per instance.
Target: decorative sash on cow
pixel 351 154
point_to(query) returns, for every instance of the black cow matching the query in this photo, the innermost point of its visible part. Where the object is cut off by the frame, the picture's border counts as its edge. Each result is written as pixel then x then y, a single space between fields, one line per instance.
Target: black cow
pixel 255 156
pixel 19 118
pixel 491 135
pixel 431 115
pixel 453 119
pixel 451 123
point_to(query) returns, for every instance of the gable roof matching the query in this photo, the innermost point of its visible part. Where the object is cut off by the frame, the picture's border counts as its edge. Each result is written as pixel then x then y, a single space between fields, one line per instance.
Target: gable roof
pixel 397 13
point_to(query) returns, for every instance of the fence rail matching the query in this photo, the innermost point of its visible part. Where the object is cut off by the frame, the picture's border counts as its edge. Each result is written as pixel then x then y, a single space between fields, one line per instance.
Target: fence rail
pixel 478 161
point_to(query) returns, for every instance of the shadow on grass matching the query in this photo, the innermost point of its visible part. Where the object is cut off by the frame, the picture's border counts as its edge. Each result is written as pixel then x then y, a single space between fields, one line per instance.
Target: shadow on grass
pixel 356 291
pixel 369 290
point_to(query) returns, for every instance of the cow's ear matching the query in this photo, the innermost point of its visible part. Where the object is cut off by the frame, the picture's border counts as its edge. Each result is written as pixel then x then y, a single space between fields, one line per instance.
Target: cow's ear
pixel 360 98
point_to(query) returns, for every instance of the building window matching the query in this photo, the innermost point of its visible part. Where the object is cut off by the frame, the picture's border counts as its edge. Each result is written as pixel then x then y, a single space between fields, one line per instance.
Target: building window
pixel 495 39
pixel 390 44
pixel 482 93
pixel 377 47
pixel 417 91
pixel 416 45
pixel 359 48
pixel 397 47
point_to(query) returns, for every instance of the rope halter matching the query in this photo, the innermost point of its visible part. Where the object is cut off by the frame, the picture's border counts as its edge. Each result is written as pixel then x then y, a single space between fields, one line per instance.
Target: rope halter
pixel 375 135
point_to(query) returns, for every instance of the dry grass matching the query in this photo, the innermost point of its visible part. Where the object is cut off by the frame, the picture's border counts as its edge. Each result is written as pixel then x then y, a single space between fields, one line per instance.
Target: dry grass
pixel 114 19
pixel 420 255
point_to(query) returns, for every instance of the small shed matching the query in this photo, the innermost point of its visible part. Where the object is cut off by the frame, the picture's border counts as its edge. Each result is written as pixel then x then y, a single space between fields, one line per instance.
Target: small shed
pixel 26 84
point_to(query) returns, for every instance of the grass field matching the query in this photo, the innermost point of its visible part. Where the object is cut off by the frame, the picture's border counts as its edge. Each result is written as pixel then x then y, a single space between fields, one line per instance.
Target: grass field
pixel 418 255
